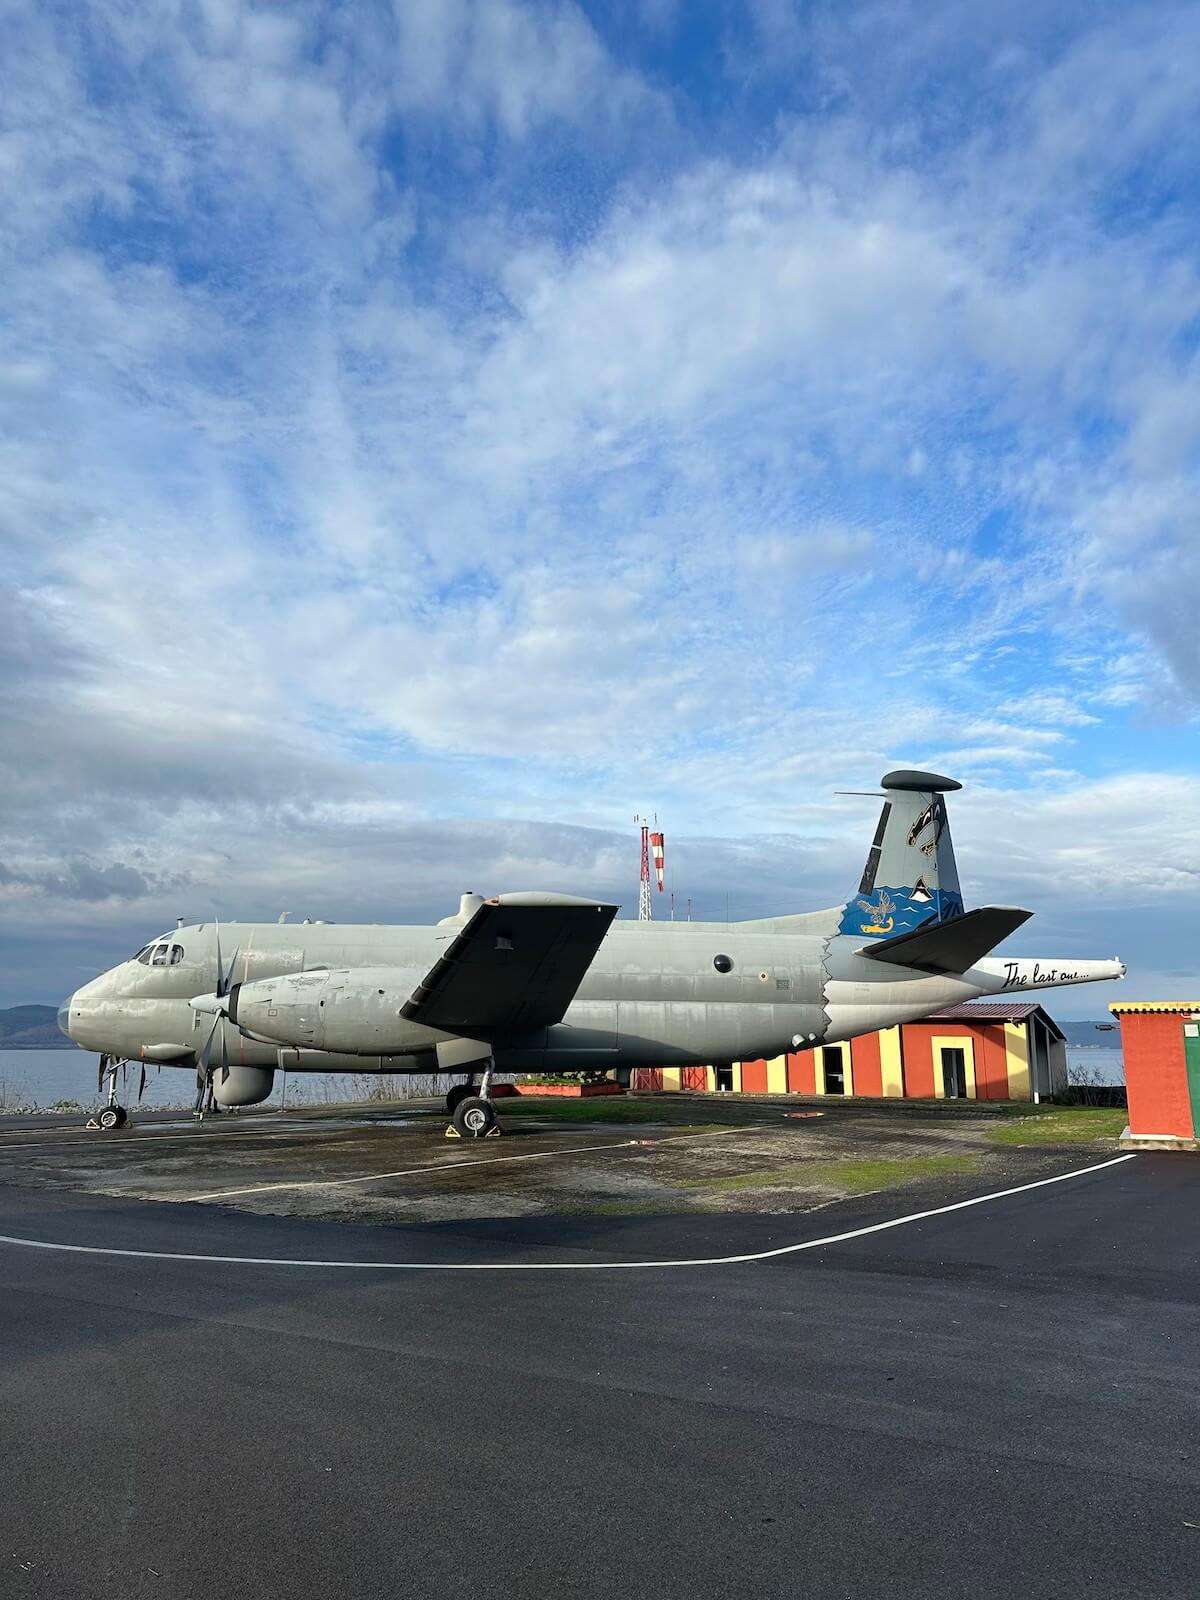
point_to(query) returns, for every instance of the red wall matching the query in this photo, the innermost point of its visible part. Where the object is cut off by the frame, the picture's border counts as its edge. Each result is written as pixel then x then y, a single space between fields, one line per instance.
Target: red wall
pixel 802 1072
pixel 754 1077
pixel 1156 1073
pixel 991 1058
pixel 864 1064
pixel 694 1078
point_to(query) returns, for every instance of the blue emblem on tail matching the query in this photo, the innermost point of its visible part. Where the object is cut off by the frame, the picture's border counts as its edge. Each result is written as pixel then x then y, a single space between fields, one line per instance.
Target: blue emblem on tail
pixel 888 911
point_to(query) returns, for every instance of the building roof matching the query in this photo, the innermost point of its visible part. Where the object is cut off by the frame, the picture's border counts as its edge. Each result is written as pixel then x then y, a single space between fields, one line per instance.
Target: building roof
pixel 997 1011
pixel 1186 1006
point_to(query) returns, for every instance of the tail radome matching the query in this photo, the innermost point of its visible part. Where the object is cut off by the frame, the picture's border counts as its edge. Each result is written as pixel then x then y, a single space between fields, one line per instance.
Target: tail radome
pixel 910 878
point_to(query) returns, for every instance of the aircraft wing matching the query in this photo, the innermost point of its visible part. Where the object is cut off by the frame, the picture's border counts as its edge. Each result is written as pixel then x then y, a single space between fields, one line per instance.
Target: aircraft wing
pixel 951 946
pixel 514 966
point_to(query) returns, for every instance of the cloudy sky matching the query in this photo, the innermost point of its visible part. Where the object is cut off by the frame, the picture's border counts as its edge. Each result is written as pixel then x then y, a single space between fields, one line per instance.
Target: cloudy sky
pixel 431 433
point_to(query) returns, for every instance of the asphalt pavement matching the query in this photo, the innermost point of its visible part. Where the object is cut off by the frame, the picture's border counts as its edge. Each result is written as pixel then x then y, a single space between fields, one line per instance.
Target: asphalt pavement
pixel 999 1400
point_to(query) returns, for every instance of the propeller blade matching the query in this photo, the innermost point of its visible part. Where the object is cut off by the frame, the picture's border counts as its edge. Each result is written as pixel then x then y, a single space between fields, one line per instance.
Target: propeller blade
pixel 142 1084
pixel 227 980
pixel 206 1048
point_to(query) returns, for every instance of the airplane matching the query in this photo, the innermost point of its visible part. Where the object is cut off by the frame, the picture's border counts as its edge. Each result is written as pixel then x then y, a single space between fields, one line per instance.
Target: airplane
pixel 539 983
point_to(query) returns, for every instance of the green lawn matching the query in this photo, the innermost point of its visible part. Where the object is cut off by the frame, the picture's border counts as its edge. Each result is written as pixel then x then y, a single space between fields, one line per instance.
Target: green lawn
pixel 1063 1125
pixel 850 1175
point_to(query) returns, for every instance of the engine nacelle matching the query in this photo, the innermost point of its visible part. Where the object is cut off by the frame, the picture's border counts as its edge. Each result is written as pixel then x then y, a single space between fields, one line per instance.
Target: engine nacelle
pixel 243 1086
pixel 357 1011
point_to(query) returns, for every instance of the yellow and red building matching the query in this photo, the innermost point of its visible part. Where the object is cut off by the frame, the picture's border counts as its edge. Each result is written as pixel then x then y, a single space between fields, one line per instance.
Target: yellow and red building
pixel 1160 1041
pixel 1000 1050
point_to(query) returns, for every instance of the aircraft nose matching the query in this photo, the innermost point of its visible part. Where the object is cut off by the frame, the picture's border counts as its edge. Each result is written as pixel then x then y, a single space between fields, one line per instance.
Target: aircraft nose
pixel 64 1016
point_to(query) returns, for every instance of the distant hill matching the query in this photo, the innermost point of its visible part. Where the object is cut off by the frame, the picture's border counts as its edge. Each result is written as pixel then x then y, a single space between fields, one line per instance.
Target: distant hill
pixel 1106 1034
pixel 31 1028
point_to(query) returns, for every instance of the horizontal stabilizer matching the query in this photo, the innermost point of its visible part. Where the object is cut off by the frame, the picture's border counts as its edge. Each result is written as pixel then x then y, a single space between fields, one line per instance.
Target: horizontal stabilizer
pixel 513 968
pixel 951 946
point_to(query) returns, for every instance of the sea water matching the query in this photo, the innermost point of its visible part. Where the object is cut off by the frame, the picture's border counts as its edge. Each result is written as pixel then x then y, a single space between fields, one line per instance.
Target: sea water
pixel 40 1080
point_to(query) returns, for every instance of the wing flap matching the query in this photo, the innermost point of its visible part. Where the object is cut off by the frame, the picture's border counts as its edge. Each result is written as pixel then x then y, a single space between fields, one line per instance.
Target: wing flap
pixel 514 967
pixel 951 946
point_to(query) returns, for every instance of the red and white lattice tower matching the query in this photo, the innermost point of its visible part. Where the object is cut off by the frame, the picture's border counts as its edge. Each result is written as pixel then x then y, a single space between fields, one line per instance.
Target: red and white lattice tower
pixel 645 913
pixel 653 846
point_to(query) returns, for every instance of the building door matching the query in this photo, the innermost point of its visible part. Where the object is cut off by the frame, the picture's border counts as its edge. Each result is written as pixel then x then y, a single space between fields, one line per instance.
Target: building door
pixel 954 1073
pixel 1191 1053
pixel 835 1071
pixel 723 1077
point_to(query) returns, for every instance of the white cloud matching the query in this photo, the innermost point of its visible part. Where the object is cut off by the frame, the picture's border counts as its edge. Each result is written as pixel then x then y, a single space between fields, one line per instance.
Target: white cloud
pixel 357 472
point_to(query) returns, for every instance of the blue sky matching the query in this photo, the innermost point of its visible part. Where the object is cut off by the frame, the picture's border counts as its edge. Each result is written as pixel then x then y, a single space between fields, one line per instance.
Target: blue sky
pixel 433 433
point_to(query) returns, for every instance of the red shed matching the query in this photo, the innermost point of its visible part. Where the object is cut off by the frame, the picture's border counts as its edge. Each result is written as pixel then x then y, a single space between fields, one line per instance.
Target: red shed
pixel 1160 1040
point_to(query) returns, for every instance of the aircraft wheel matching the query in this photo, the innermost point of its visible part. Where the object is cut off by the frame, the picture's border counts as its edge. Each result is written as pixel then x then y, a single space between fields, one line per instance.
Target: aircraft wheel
pixel 474 1117
pixel 455 1097
pixel 113 1117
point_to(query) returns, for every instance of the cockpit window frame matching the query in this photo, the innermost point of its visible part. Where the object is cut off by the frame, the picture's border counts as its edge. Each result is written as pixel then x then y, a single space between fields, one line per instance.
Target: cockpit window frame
pixel 162 954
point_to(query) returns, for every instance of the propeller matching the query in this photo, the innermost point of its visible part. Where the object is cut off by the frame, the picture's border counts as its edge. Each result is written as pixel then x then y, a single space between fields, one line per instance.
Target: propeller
pixel 218 1003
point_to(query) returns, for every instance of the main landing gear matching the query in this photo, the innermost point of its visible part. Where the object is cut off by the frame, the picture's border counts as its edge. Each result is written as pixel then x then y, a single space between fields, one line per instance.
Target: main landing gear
pixel 472 1114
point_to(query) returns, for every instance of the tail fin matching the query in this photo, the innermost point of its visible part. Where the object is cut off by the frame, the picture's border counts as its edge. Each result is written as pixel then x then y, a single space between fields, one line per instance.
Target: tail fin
pixel 910 878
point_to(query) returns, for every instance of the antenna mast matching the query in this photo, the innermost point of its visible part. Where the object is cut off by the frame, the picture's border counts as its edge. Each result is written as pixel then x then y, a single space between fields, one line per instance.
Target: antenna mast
pixel 645 909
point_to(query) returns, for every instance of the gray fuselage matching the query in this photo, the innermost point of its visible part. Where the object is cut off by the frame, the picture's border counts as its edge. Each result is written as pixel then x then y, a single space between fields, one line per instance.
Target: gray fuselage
pixel 654 994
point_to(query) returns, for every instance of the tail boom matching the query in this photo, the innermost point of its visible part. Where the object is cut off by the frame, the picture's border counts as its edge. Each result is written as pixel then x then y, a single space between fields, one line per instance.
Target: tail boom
pixel 1020 974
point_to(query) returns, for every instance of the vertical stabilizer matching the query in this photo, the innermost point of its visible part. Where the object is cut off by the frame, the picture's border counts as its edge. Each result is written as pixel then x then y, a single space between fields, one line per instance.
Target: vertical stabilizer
pixel 910 878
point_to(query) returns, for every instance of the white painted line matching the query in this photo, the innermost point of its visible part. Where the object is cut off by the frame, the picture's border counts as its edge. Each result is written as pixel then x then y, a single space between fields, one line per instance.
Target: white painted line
pixel 562 1266
pixel 449 1166
pixel 269 1131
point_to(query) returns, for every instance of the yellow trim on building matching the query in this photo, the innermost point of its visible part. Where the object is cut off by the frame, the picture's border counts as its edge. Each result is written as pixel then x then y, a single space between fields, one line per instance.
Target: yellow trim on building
pixel 777 1075
pixel 1120 1006
pixel 891 1063
pixel 672 1078
pixel 1016 1060
pixel 737 1077
pixel 952 1041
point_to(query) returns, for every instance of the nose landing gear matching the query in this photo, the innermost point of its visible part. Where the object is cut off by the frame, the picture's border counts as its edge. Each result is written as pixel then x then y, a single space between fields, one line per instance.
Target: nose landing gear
pixel 113 1115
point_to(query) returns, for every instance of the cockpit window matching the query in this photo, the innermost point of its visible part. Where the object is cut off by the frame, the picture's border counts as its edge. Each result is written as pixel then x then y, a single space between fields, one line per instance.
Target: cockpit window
pixel 159 958
pixel 143 954
pixel 176 954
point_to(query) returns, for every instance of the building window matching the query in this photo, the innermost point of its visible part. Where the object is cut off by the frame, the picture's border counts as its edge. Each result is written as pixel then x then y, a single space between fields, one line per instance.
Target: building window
pixel 954 1073
pixel 835 1072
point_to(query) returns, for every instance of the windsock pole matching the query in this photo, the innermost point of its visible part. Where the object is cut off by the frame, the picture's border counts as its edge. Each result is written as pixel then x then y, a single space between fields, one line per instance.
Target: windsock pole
pixel 645 911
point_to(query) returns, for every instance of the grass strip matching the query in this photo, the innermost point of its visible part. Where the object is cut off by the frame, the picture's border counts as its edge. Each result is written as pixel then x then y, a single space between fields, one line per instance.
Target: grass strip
pixel 1064 1125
